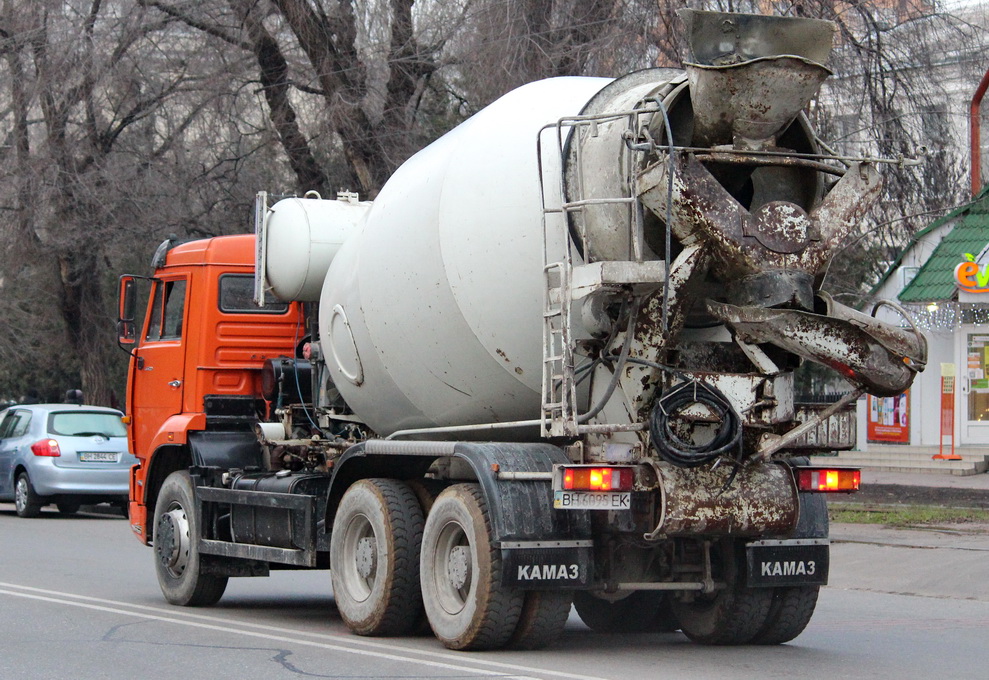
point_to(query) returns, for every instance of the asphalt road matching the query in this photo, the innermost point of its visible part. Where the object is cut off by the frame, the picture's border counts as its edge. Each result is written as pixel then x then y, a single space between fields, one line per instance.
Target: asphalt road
pixel 79 600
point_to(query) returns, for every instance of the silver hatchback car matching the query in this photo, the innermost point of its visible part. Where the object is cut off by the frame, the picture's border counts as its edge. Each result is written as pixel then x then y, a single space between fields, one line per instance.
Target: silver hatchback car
pixel 65 454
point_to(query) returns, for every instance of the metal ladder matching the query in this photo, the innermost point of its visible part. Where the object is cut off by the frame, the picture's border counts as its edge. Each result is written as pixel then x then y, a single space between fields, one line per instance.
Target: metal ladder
pixel 559 416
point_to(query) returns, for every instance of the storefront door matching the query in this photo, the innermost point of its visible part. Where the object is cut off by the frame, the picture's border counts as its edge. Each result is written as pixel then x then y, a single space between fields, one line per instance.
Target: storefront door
pixel 974 378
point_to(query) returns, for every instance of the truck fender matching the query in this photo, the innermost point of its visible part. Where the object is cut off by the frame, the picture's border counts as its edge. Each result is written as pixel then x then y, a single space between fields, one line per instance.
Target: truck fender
pixel 225 449
pixel 530 532
pixel 176 429
pixel 812 522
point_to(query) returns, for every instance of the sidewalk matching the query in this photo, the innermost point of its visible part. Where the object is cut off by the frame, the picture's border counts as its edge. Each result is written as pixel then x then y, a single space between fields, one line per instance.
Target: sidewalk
pixel 921 489
pixel 873 477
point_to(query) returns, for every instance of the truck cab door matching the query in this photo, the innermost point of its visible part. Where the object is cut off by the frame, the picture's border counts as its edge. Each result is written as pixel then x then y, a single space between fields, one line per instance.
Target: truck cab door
pixel 159 376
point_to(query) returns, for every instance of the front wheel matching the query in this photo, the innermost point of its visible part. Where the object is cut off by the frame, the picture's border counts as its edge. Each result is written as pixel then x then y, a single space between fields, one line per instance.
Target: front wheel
pixel 27 502
pixel 465 603
pixel 374 557
pixel 178 563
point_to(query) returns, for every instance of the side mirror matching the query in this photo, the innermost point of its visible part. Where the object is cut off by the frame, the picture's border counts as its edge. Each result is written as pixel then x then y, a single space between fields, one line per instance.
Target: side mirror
pixel 126 303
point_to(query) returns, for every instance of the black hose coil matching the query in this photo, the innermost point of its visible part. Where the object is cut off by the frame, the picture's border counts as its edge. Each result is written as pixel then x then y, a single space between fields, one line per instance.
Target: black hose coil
pixel 683 453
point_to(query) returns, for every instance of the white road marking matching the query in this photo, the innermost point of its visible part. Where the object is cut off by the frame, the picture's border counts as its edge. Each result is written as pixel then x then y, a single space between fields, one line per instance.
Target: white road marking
pixel 351 646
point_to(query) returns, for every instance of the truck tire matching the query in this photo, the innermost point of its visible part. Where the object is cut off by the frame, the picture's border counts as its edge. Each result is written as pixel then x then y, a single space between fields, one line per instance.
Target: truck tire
pixel 465 603
pixel 733 615
pixel 789 613
pixel 374 557
pixel 644 611
pixel 544 614
pixel 426 490
pixel 27 503
pixel 178 563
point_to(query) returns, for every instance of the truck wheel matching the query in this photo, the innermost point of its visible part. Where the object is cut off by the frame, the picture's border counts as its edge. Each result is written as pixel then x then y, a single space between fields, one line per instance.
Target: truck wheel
pixel 27 502
pixel 732 615
pixel 374 557
pixel 644 611
pixel 178 563
pixel 426 490
pixel 544 614
pixel 465 602
pixel 789 613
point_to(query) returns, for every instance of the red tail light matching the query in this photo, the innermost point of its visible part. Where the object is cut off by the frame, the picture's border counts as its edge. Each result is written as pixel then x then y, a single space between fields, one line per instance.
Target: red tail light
pixel 828 480
pixel 46 447
pixel 597 479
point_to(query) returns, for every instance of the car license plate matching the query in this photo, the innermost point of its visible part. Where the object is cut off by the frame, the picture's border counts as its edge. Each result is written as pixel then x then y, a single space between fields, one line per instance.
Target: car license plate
pixel 98 456
pixel 795 562
pixel 592 500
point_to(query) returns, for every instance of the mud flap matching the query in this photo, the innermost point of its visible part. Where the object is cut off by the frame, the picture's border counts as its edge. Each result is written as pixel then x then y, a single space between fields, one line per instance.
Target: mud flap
pixel 547 565
pixel 789 562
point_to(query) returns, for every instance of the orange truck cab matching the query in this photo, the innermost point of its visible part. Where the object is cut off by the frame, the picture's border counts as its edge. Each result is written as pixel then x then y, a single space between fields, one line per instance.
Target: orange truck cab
pixel 194 379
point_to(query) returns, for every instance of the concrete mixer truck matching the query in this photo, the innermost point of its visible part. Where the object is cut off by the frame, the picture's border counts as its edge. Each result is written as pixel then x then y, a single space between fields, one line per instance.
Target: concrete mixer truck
pixel 550 365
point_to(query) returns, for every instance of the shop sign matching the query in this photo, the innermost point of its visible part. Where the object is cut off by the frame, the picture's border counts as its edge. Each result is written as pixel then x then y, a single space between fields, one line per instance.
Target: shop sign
pixel 889 419
pixel 970 277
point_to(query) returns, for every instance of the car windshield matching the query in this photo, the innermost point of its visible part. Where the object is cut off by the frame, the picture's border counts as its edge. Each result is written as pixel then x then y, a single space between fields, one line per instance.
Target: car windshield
pixel 82 423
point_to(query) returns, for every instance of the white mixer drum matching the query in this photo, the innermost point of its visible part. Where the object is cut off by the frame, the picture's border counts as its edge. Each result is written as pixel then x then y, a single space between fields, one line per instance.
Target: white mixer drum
pixel 432 315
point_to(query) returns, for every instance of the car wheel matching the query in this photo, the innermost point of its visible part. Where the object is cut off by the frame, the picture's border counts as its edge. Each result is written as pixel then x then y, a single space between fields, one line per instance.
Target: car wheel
pixel 67 508
pixel 178 563
pixel 26 501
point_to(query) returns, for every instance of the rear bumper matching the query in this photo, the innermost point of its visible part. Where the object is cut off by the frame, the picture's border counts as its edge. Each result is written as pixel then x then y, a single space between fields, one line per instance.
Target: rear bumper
pixel 50 480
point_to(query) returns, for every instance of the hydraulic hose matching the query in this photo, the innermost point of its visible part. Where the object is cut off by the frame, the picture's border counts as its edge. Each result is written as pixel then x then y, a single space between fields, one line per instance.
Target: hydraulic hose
pixel 683 453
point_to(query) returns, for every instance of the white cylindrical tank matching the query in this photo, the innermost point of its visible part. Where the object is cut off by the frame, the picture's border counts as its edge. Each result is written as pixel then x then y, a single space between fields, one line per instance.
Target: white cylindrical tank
pixel 432 314
pixel 303 237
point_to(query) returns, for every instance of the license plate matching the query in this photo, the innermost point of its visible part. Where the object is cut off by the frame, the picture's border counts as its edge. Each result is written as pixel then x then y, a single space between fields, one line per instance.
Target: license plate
pixel 98 456
pixel 798 562
pixel 592 500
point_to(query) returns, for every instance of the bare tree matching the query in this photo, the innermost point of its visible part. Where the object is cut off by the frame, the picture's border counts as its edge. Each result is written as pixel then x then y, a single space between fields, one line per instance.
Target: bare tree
pixel 115 136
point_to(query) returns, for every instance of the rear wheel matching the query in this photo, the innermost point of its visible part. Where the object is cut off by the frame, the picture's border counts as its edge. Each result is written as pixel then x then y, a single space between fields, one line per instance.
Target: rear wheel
pixel 178 564
pixel 426 490
pixel 544 614
pixel 644 611
pixel 466 604
pixel 733 615
pixel 67 508
pixel 27 503
pixel 789 613
pixel 374 557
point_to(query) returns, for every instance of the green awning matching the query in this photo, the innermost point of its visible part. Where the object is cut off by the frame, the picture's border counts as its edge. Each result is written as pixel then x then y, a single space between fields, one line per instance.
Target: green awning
pixel 934 281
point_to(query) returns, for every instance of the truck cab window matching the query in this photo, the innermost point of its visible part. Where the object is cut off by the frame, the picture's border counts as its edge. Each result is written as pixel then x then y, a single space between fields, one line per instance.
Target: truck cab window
pixel 167 311
pixel 237 296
